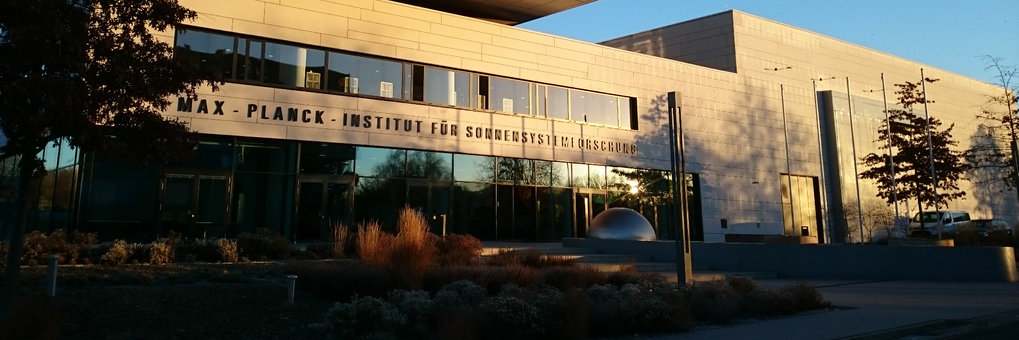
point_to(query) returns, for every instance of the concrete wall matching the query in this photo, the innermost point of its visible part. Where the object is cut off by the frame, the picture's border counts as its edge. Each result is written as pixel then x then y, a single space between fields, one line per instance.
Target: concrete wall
pixel 846 262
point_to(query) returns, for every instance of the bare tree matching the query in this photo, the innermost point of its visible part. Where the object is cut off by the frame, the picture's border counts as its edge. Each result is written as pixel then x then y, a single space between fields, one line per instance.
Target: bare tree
pixel 878 220
pixel 990 163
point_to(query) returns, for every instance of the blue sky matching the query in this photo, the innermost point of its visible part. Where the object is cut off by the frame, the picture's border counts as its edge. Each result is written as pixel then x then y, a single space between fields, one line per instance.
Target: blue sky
pixel 945 34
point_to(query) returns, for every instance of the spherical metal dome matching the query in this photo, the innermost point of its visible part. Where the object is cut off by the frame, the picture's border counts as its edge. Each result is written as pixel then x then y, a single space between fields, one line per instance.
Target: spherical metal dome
pixel 621 224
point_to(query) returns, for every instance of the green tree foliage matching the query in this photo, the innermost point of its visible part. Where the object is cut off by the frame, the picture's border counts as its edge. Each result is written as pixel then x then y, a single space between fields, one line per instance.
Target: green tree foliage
pixel 909 135
pixel 991 163
pixel 92 74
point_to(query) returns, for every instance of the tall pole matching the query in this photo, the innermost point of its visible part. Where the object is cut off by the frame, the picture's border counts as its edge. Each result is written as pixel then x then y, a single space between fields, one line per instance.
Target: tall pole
pixel 891 156
pixel 856 172
pixel 930 155
pixel 820 155
pixel 788 162
pixel 684 273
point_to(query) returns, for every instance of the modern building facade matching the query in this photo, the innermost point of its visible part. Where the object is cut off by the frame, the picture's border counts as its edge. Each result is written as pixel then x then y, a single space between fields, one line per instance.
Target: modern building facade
pixel 345 111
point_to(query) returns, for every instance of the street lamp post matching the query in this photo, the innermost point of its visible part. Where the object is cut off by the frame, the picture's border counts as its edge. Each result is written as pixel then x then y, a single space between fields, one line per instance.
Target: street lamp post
pixel 930 156
pixel 684 272
pixel 856 172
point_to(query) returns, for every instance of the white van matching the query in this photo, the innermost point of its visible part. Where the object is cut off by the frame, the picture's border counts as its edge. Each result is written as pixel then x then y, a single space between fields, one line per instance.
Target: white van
pixel 948 221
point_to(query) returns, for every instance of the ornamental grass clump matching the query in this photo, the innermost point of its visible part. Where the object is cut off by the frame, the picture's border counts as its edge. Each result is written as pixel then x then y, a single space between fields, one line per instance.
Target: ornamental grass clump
pixel 118 253
pixel 459 249
pixel 338 240
pixel 373 244
pixel 413 251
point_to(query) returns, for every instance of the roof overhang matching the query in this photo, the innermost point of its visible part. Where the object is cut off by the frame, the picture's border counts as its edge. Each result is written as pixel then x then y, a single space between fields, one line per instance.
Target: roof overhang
pixel 509 12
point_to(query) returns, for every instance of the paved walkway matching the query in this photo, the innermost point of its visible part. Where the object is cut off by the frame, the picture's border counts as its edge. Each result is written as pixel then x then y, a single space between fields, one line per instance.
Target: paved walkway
pixel 874 310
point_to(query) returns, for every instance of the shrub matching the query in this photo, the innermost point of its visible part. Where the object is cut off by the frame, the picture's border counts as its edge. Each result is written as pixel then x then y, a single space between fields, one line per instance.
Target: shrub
pixel 566 278
pixel 364 317
pixel 530 258
pixel 804 297
pixel 160 252
pixel 715 301
pixel 373 244
pixel 38 247
pixel 227 250
pixel 263 245
pixel 118 253
pixel 198 250
pixel 459 294
pixel 417 306
pixel 510 317
pixel 457 249
pixel 494 278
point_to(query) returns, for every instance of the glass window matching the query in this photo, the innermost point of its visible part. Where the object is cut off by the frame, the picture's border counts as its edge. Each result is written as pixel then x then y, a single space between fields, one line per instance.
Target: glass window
pixel 580 175
pixel 380 200
pixel 208 51
pixel 594 108
pixel 515 170
pixel 615 179
pixel 543 173
pixel 293 66
pixel 325 158
pixel 266 155
pixel 560 176
pixel 511 96
pixel 249 65
pixel 119 192
pixel 213 153
pixel 627 107
pixel 474 210
pixel 473 168
pixel 380 162
pixel 425 164
pixel 558 103
pixel 361 75
pixel 262 201
pixel 448 87
pixel 596 176
pixel 541 102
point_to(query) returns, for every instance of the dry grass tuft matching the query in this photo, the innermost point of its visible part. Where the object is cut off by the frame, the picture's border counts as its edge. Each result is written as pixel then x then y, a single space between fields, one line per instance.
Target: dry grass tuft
pixel 373 244
pixel 338 237
pixel 414 250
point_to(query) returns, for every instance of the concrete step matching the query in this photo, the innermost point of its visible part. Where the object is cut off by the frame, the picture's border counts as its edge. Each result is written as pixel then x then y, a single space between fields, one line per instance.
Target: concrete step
pixel 607 258
pixel 702 276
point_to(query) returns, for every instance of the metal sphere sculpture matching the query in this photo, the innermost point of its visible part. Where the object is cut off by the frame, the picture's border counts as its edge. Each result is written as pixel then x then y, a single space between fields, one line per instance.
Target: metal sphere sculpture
pixel 621 224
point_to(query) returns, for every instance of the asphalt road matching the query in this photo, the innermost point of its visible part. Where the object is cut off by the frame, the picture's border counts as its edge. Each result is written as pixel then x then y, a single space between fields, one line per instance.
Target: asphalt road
pixel 888 310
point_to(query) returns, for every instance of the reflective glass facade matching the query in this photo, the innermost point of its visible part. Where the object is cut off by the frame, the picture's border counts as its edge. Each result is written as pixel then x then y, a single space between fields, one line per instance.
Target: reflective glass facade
pixel 242 59
pixel 299 189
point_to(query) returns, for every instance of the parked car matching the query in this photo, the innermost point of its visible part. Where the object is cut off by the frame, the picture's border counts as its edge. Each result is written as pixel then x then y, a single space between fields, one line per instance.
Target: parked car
pixel 947 222
pixel 984 226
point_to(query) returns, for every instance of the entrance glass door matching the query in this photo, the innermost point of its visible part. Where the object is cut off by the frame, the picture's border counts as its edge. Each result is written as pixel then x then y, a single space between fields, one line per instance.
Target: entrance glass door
pixel 432 199
pixel 195 204
pixel 322 204
pixel 588 204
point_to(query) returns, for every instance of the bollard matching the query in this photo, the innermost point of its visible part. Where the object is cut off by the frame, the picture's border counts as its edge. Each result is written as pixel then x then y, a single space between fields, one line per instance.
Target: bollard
pixel 52 284
pixel 291 283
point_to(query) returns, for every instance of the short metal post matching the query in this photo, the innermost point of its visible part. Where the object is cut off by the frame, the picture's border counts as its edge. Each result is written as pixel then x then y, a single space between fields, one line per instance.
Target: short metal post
pixel 291 283
pixel 52 284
